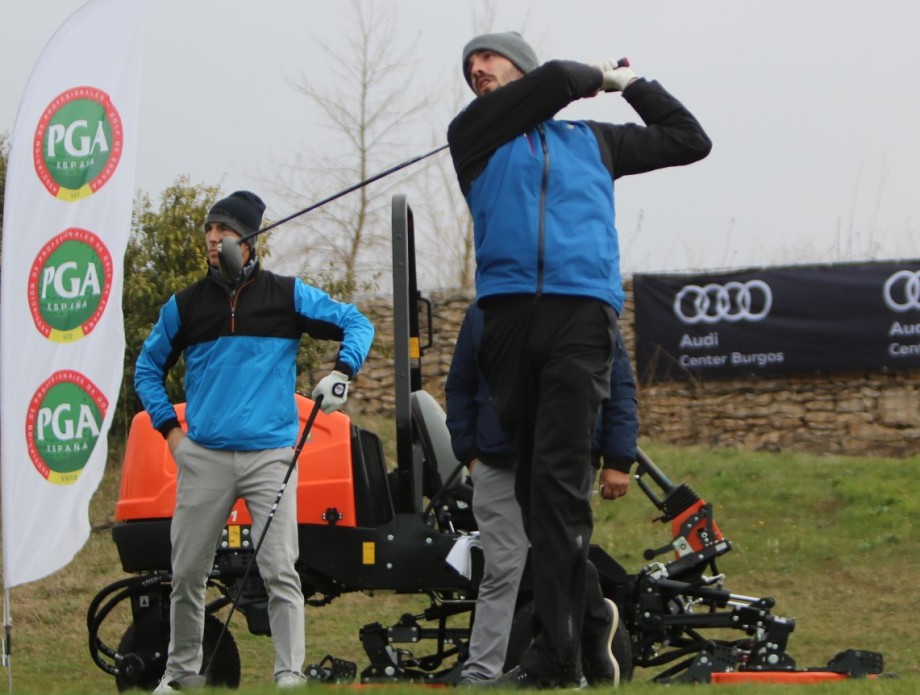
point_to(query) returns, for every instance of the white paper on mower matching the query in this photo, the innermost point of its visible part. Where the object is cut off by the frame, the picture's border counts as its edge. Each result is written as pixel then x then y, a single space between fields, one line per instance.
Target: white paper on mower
pixel 460 555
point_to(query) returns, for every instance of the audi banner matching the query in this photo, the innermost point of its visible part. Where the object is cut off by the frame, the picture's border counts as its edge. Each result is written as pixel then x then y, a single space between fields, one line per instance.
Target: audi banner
pixel 781 320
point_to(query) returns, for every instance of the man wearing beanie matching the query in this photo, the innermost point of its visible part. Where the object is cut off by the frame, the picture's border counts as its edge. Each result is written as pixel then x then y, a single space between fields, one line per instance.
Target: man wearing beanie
pixel 540 193
pixel 240 344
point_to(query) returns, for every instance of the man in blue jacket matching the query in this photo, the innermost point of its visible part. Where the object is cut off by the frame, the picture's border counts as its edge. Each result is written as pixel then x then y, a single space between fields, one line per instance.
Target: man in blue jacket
pixel 540 193
pixel 240 344
pixel 478 441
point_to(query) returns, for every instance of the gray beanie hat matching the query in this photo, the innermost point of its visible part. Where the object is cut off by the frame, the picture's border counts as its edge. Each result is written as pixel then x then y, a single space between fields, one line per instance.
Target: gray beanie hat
pixel 507 43
pixel 241 211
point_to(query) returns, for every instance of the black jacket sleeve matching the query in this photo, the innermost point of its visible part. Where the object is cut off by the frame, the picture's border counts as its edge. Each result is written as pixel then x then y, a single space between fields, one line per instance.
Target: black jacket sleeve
pixel 460 391
pixel 617 433
pixel 670 137
pixel 498 117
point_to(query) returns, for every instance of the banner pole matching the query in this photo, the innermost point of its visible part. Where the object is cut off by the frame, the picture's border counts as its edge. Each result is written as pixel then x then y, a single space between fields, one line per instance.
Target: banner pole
pixel 7 638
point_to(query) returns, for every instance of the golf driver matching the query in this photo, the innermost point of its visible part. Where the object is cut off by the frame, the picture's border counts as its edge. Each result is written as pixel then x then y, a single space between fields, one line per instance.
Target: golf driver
pixel 228 252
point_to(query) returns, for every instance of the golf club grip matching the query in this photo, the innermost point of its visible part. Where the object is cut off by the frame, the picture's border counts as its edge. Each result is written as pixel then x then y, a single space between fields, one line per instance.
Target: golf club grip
pixel 621 63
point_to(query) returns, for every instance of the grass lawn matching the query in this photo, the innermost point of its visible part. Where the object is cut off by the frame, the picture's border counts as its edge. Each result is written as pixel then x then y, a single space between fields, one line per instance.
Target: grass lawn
pixel 832 539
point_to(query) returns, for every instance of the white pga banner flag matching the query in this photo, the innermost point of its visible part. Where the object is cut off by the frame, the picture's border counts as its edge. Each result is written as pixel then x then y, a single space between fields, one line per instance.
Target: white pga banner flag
pixel 67 215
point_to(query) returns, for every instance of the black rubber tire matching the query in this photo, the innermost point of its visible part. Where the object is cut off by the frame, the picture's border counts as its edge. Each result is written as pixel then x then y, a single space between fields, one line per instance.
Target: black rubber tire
pixel 521 636
pixel 225 669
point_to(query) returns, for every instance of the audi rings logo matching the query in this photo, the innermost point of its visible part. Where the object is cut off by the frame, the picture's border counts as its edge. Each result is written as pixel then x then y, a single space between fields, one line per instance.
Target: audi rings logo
pixel 733 301
pixel 902 291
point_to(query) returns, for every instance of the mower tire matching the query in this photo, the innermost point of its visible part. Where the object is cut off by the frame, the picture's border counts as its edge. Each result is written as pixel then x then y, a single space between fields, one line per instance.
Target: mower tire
pixel 225 668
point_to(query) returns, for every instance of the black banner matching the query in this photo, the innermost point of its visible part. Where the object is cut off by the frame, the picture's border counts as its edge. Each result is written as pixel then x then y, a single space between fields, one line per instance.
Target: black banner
pixel 781 320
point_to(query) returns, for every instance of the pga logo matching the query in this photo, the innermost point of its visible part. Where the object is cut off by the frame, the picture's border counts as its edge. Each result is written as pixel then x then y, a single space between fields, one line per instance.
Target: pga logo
pixel 63 424
pixel 78 143
pixel 69 285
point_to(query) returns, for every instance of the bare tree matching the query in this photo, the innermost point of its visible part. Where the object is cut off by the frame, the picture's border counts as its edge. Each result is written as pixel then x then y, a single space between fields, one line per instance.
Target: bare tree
pixel 368 115
pixel 451 229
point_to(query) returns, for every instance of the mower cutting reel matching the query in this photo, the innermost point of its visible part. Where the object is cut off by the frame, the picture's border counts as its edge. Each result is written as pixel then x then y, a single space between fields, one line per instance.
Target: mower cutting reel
pixel 669 604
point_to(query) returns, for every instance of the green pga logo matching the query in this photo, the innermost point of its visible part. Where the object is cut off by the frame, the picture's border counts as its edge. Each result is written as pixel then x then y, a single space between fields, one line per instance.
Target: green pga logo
pixel 78 143
pixel 63 425
pixel 69 285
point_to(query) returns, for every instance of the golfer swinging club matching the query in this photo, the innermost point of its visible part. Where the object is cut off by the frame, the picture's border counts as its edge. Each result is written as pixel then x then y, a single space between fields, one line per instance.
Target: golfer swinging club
pixel 541 195
pixel 240 341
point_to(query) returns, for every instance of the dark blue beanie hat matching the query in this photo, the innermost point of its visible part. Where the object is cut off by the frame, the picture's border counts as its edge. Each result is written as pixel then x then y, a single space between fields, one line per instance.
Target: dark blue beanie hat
pixel 241 211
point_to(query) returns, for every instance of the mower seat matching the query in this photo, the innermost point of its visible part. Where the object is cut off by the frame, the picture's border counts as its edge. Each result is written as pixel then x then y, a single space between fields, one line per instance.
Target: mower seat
pixel 442 474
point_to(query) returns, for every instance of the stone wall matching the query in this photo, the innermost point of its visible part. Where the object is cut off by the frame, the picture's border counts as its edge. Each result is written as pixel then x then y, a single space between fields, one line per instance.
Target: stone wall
pixel 374 387
pixel 866 413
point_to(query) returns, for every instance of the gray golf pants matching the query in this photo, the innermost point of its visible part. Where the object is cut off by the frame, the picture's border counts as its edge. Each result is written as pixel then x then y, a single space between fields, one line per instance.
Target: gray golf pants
pixel 209 483
pixel 504 547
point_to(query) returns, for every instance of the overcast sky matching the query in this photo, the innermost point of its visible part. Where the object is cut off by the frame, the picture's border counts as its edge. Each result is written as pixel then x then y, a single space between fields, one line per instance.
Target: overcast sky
pixel 812 105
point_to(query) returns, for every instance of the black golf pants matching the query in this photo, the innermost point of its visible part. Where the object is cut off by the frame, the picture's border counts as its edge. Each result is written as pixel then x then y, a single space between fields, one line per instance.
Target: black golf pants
pixel 547 361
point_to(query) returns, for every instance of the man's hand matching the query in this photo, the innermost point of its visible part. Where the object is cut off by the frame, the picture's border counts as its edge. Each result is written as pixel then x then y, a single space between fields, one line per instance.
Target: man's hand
pixel 613 483
pixel 334 389
pixel 617 74
pixel 174 437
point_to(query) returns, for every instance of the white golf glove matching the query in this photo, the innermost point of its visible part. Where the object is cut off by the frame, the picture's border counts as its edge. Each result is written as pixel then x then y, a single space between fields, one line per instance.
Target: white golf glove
pixel 616 78
pixel 334 389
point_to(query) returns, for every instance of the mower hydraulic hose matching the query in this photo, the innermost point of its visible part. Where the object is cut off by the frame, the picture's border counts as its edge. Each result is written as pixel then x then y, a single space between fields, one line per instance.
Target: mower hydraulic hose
pixel 98 612
pixel 445 487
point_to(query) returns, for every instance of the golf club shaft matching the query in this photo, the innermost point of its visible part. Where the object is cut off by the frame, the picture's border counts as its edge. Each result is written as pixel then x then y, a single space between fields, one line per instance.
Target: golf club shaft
pixel 353 187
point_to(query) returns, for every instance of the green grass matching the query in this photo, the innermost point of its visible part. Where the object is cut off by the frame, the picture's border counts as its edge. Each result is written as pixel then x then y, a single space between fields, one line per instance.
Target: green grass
pixel 830 538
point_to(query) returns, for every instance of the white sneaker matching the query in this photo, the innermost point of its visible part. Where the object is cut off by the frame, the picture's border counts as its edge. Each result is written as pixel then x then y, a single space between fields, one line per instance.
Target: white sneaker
pixel 165 686
pixel 290 680
pixel 168 684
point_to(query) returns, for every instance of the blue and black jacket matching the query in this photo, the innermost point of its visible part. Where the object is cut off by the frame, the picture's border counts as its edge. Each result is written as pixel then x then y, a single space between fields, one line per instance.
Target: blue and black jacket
pixel 476 432
pixel 240 357
pixel 540 190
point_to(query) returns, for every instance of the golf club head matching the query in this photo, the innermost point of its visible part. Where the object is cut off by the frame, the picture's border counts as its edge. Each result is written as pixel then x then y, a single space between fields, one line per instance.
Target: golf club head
pixel 230 259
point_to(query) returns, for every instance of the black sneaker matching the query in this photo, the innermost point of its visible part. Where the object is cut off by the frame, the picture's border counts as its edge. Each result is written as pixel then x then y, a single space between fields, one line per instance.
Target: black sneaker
pixel 519 678
pixel 599 664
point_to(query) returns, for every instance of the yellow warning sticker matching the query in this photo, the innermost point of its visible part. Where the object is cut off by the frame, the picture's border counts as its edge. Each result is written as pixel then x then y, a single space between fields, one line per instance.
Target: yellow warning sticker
pixel 368 552
pixel 233 536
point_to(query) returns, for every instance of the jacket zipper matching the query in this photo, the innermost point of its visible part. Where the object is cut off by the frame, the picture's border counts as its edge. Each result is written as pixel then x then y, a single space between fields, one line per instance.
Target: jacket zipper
pixel 234 297
pixel 541 236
